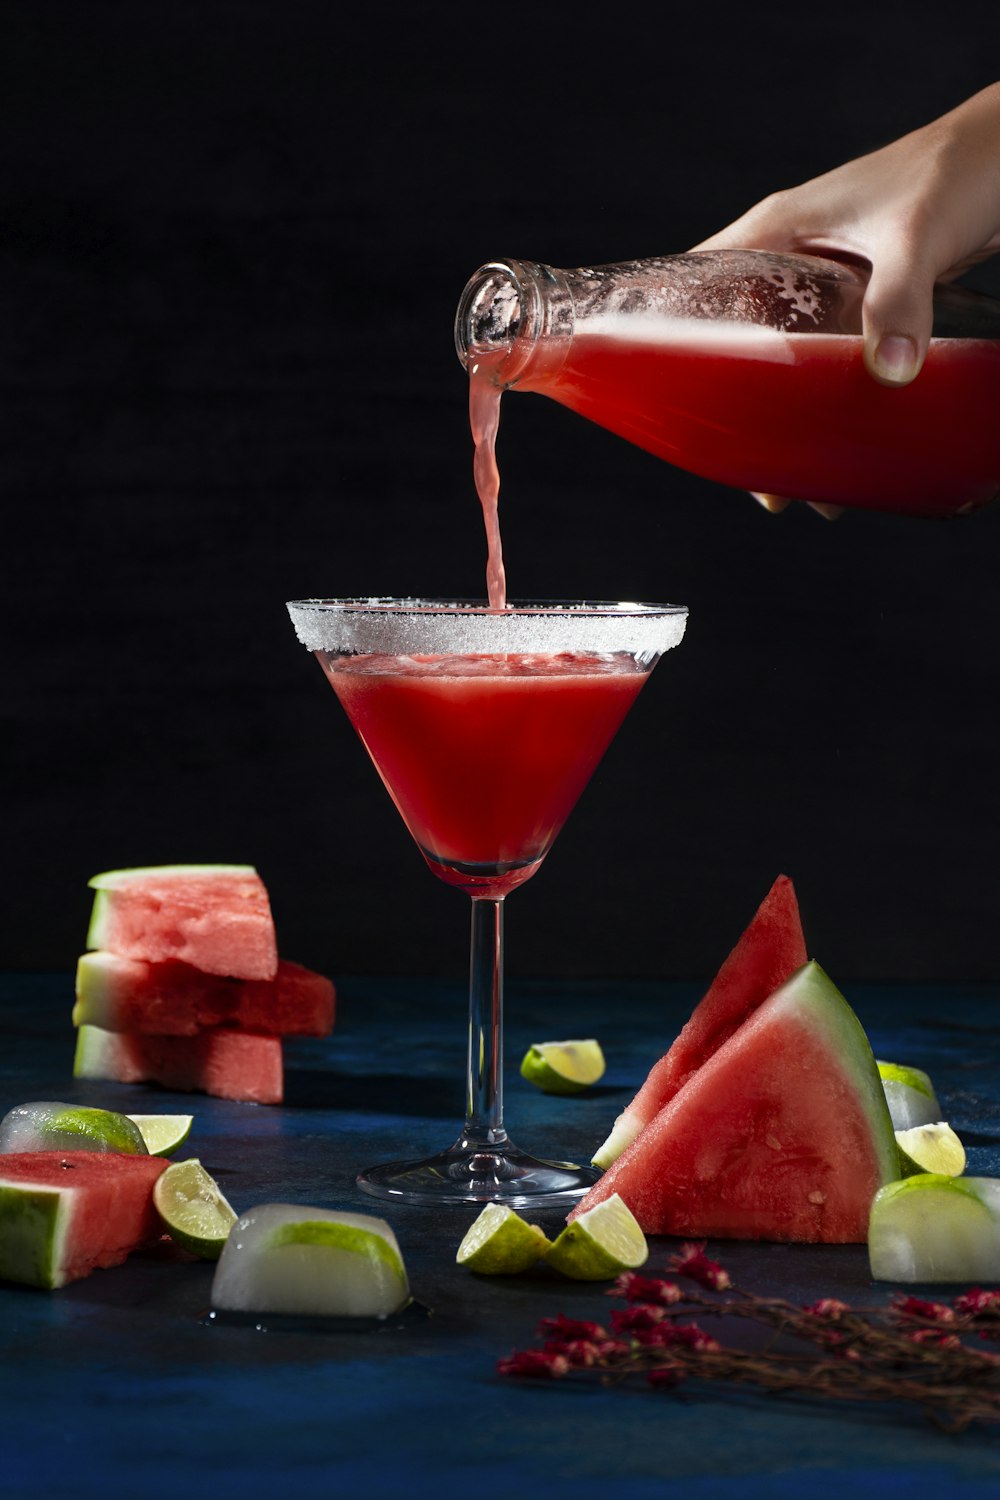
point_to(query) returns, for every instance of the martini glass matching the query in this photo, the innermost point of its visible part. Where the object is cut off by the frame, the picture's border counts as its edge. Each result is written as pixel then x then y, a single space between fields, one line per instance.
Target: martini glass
pixel 485 726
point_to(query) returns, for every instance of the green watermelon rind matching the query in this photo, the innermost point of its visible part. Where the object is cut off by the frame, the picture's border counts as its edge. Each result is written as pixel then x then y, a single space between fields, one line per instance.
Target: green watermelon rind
pixel 92 1058
pixel 813 989
pixel 33 1220
pixel 94 996
pixel 114 880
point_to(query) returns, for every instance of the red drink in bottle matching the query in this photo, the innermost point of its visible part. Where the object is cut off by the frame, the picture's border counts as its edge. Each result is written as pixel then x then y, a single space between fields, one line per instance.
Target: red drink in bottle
pixel 747 369
pixel 796 414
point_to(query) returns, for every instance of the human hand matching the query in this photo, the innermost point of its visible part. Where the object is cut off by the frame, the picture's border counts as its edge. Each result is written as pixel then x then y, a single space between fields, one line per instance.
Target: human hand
pixel 921 210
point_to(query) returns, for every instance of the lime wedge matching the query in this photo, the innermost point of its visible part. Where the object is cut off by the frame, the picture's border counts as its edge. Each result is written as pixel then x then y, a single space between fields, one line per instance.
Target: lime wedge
pixel 286 1258
pixel 931 1148
pixel 936 1228
pixel 501 1243
pixel 47 1125
pixel 910 1096
pixel 600 1244
pixel 163 1133
pixel 190 1204
pixel 563 1067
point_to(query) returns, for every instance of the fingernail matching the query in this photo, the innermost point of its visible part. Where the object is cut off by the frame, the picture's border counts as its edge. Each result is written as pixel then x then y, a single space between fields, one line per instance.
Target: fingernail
pixel 895 360
pixel 825 509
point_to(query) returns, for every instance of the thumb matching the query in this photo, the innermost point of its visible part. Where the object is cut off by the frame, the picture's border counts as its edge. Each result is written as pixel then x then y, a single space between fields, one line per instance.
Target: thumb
pixel 897 317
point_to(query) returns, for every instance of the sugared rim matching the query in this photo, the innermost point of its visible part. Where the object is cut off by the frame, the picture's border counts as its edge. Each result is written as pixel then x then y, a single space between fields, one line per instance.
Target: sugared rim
pixel 397 626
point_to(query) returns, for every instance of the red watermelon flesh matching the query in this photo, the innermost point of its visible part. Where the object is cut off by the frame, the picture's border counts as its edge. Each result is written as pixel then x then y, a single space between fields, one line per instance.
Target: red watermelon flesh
pixel 241 1065
pixel 214 917
pixel 174 999
pixel 65 1213
pixel 768 953
pixel 782 1134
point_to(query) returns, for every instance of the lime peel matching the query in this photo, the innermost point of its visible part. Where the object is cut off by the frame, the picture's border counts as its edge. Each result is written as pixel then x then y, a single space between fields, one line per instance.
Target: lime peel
pixel 501 1243
pixel 337 1236
pixel 600 1243
pixel 913 1078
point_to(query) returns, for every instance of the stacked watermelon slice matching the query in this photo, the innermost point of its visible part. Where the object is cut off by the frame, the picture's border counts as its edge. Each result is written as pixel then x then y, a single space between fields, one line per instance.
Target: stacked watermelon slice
pixel 183 986
pixel 766 1119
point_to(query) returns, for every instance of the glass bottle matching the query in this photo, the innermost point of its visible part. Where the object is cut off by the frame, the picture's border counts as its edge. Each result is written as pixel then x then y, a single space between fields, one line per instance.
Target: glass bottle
pixel 746 367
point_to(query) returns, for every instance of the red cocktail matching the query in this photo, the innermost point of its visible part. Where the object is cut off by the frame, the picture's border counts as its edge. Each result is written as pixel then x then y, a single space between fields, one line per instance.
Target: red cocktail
pixel 484 756
pixel 485 726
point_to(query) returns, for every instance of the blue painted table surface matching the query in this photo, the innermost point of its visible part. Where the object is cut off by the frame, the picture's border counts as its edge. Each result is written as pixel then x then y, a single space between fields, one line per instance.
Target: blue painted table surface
pixel 114 1386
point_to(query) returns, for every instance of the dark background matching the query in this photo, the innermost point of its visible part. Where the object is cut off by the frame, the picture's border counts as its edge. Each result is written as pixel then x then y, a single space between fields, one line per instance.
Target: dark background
pixel 232 238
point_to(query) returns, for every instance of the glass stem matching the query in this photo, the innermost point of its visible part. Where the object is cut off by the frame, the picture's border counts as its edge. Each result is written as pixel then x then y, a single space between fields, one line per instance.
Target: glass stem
pixel 484 1103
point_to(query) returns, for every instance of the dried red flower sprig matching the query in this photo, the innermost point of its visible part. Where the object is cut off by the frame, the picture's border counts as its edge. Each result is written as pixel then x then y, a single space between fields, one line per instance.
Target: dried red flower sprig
pixel 978 1303
pixel 542 1364
pixel 916 1307
pixel 827 1307
pixel 693 1262
pixel 636 1288
pixel 911 1351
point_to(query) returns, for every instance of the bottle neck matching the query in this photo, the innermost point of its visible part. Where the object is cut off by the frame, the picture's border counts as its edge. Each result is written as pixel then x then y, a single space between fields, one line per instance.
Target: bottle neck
pixel 513 314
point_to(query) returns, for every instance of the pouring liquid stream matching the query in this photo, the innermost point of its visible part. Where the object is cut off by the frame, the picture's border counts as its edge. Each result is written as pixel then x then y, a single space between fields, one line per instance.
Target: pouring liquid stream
pixel 484 418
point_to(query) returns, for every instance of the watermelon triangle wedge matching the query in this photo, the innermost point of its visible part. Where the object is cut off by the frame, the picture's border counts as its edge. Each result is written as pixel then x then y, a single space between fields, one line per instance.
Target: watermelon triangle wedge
pixel 783 1133
pixel 769 951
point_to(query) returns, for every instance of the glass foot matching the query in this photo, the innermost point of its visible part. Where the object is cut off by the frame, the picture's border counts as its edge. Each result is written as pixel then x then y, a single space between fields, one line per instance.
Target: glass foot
pixel 481 1174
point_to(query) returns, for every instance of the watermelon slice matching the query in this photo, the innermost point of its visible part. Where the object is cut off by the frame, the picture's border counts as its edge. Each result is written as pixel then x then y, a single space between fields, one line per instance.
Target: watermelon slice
pixel 215 917
pixel 173 999
pixel 783 1133
pixel 63 1213
pixel 242 1065
pixel 770 951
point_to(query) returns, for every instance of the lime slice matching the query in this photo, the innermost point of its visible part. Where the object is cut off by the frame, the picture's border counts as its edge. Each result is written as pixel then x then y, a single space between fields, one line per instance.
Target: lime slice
pixel 190 1204
pixel 285 1258
pixel 910 1096
pixel 931 1148
pixel 163 1133
pixel 501 1243
pixel 563 1067
pixel 936 1228
pixel 47 1125
pixel 601 1243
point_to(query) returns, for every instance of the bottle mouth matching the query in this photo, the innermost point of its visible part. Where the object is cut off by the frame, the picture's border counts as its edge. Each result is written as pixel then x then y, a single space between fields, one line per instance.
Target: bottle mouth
pixel 508 313
pixel 498 317
pixel 489 312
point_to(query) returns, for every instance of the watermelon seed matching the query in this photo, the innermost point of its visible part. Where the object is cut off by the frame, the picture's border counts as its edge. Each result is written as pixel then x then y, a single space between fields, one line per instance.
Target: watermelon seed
pixel 774 1143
